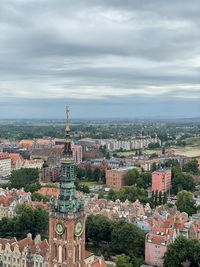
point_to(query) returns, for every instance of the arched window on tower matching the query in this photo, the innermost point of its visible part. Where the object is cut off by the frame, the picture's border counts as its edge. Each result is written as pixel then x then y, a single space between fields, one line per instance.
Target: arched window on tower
pixel 60 253
pixel 65 252
pixel 55 251
pixel 65 235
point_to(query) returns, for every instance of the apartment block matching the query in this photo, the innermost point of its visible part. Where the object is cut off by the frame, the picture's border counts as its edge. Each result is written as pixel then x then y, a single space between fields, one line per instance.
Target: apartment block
pixel 161 180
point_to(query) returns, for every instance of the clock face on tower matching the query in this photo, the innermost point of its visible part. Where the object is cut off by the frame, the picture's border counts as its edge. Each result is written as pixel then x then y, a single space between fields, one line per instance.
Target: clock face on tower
pixel 59 228
pixel 78 230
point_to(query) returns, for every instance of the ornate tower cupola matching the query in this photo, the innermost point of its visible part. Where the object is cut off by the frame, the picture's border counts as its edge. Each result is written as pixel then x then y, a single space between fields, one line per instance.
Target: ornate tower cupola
pixel 67 201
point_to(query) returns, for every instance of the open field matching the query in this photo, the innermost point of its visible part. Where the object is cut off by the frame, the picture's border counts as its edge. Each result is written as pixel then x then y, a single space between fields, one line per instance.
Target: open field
pixel 188 151
pixel 89 184
pixel 125 153
pixel 193 141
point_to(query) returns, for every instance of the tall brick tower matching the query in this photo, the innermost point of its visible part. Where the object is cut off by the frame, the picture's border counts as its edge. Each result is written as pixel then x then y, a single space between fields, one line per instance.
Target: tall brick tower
pixel 67 218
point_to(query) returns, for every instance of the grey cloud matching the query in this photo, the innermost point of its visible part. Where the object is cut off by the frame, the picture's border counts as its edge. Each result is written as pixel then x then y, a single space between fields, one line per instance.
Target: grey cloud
pixel 50 46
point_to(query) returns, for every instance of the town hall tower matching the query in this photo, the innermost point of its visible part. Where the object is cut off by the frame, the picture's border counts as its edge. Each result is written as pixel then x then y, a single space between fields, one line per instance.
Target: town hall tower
pixel 67 218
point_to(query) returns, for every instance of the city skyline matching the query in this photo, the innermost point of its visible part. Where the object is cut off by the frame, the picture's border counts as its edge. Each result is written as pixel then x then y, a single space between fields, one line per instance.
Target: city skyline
pixel 106 59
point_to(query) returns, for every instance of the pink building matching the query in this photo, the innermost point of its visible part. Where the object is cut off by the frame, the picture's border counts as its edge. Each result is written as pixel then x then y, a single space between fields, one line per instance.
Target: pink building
pixel 115 178
pixel 77 153
pixel 156 245
pixel 161 180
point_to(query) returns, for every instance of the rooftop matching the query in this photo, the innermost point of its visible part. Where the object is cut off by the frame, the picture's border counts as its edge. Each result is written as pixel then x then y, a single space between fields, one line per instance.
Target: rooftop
pixel 123 169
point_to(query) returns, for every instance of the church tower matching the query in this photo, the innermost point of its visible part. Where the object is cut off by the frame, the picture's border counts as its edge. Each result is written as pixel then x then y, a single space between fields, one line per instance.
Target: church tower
pixel 67 218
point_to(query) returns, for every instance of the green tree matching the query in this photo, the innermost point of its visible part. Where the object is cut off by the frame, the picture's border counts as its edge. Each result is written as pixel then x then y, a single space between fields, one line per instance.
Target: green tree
pixel 131 177
pixel 123 261
pixel 128 239
pixel 98 229
pixel 27 220
pixel 38 197
pixel 131 193
pixel 164 200
pixel 186 203
pixel 80 172
pixel 156 198
pixel 176 253
pixel 21 178
pixel 89 174
pixel 41 218
pixel 194 252
pixel 33 187
pixel 96 174
pixel 182 250
pixel 153 155
pixel 160 198
pixel 182 181
pixel 191 166
pixel 154 167
pixel 103 176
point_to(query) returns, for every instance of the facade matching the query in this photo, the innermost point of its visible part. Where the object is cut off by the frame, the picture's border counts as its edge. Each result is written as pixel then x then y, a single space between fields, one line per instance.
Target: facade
pixel 33 163
pixel 50 174
pixel 161 180
pixel 25 252
pixel 156 245
pixel 36 144
pixel 115 178
pixel 9 199
pixel 5 165
pixel 136 143
pixel 16 161
pixel 104 163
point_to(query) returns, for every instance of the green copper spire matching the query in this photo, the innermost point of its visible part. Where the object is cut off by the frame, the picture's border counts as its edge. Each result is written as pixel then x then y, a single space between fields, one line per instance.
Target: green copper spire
pixel 67 200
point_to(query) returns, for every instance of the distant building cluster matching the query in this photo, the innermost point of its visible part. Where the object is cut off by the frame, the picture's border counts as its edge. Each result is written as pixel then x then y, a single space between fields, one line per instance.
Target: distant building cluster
pixel 9 199
pixel 5 165
pixel 162 225
pixel 165 225
pixel 117 210
pixel 131 144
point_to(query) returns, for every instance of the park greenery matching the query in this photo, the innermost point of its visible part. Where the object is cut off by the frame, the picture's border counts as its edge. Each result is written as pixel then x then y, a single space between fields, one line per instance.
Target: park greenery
pixel 88 174
pixel 107 237
pixel 123 261
pixel 132 193
pixel 26 178
pixel 158 198
pixel 27 220
pixel 141 180
pixel 182 251
pixel 186 203
pixel 35 196
pixel 182 177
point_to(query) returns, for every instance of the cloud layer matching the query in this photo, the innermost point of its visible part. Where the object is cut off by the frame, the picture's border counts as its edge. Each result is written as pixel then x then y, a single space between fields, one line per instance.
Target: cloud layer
pixel 99 53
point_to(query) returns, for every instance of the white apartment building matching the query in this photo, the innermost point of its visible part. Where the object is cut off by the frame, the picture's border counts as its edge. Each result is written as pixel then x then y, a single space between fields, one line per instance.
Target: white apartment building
pixel 135 143
pixel 5 165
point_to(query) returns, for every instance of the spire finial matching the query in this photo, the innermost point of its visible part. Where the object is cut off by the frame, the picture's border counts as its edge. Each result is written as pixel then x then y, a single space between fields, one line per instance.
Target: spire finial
pixel 67 121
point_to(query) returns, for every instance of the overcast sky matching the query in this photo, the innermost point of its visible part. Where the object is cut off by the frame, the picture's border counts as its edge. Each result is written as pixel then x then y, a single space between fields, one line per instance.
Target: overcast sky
pixel 106 58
